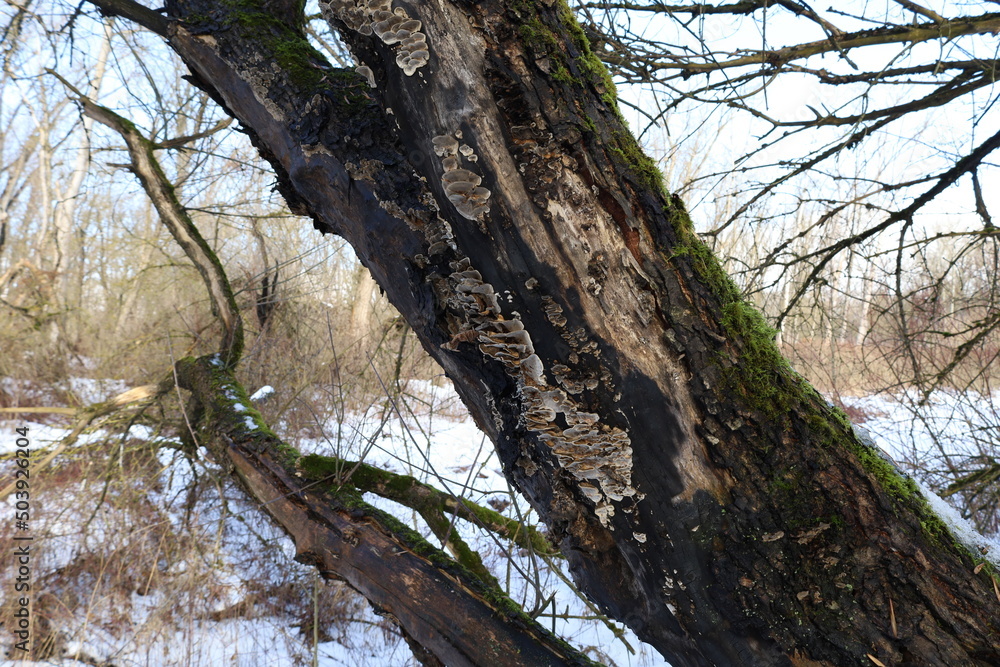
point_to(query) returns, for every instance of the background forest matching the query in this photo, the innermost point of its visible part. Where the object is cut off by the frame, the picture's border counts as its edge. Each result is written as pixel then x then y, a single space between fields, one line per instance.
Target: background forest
pixel 849 199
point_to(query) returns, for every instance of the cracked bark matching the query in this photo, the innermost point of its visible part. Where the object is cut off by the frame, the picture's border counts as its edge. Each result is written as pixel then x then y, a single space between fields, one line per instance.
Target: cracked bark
pixel 717 505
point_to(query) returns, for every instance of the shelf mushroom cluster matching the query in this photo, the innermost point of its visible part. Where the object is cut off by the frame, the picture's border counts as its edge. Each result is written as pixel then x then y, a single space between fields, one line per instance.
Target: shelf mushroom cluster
pixel 461 185
pixel 598 456
pixel 392 26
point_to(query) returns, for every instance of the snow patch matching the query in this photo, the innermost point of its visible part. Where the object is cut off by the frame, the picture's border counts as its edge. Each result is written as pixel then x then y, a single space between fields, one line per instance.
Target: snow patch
pixel 262 394
pixel 970 538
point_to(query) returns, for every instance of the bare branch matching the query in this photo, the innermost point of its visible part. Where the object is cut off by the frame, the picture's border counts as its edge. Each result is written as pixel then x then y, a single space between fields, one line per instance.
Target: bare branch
pixel 923 11
pixel 174 216
pixel 133 11
pixel 987 23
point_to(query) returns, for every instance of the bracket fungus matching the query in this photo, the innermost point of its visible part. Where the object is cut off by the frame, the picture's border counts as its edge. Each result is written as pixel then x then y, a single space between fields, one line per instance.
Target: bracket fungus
pixel 461 185
pixel 369 75
pixel 392 26
pixel 596 455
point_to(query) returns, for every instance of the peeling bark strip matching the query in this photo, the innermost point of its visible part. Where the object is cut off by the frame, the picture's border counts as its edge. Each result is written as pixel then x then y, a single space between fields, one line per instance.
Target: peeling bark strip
pixel 436 603
pixel 702 492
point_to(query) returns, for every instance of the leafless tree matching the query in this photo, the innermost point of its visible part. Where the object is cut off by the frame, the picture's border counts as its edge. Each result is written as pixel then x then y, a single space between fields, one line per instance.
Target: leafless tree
pixel 702 491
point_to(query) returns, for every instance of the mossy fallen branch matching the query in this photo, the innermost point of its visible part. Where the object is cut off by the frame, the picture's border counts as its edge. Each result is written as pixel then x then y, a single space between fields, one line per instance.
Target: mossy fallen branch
pixel 434 597
pixel 431 503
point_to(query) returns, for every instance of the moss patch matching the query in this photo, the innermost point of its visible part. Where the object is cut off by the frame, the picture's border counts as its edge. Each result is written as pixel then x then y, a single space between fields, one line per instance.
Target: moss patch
pixel 643 167
pixel 238 415
pixel 761 375
pixel 280 34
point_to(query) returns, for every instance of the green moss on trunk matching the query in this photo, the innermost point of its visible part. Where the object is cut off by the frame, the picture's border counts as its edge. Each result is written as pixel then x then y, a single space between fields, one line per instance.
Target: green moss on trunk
pixel 278 27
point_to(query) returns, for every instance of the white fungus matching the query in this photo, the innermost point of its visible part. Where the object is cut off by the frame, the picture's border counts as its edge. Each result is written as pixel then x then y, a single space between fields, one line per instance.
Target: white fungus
pixel 461 185
pixel 392 26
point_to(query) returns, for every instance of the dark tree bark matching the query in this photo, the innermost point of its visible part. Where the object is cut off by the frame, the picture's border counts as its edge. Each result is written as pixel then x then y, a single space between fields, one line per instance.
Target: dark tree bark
pixel 703 492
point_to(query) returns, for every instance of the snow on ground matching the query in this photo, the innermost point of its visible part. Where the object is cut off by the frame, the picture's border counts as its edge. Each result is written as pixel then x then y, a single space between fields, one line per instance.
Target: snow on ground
pixel 417 435
pixel 424 433
pixel 42 435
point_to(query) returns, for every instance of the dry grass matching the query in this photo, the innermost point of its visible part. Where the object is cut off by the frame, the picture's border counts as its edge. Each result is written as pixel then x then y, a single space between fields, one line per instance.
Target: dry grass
pixel 127 555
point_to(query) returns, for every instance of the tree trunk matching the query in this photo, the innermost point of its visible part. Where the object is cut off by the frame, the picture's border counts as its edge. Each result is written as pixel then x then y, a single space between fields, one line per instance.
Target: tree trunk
pixel 450 611
pixel 363 305
pixel 703 493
